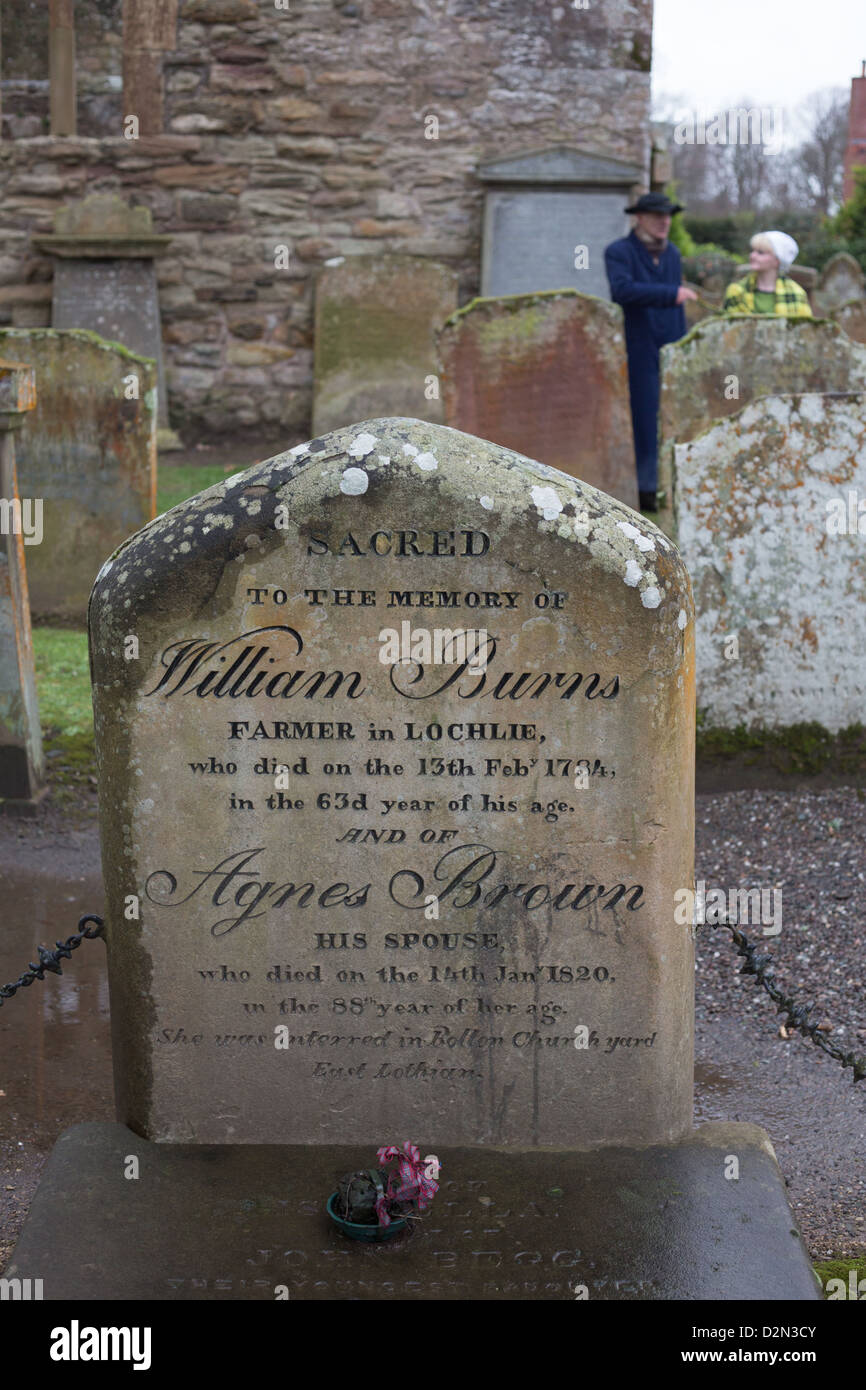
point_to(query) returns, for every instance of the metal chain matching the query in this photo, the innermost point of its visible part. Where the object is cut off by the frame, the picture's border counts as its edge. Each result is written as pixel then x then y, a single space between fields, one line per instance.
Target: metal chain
pixel 50 960
pixel 796 1015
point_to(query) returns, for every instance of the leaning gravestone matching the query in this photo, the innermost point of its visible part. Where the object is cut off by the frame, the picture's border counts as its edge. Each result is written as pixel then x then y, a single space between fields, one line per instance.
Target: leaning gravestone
pixel 840 281
pixel 545 374
pixel 375 349
pixel 22 767
pixel 88 451
pixel 768 523
pixel 352 897
pixel 726 362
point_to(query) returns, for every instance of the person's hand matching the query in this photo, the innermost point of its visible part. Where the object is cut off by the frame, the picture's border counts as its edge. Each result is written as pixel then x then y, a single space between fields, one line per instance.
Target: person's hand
pixel 683 294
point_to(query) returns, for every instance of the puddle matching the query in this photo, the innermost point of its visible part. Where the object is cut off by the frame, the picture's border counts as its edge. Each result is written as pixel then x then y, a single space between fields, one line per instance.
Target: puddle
pixel 55 1041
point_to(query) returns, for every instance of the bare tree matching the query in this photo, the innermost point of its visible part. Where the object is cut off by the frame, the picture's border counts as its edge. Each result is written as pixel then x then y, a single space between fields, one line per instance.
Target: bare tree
pixel 817 164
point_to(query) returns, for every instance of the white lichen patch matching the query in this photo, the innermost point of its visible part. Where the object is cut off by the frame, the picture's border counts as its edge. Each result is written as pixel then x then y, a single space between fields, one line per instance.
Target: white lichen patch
pixel 643 543
pixel 682 619
pixel 410 450
pixel 362 445
pixel 354 481
pixel 384 459
pixel 486 502
pixel 215 519
pixel 426 462
pixel 651 597
pixel 547 502
pixel 299 451
pixel 633 574
pixel 235 477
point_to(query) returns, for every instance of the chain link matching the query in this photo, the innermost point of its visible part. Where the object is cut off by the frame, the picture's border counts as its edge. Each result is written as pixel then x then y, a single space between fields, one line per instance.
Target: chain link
pixel 796 1015
pixel 50 960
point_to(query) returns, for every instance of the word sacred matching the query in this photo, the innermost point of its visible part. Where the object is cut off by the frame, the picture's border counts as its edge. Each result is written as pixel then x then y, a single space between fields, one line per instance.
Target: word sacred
pixel 404 543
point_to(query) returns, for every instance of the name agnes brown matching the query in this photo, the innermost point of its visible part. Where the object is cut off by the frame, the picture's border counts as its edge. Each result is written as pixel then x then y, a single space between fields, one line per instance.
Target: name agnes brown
pixel 457 880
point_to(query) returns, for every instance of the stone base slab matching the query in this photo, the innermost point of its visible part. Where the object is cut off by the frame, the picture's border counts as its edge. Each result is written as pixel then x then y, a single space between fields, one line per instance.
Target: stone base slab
pixel 236 1222
pixel 23 806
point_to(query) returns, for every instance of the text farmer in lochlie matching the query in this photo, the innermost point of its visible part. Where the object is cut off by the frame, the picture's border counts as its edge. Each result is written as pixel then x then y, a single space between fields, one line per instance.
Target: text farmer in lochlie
pixel 644 273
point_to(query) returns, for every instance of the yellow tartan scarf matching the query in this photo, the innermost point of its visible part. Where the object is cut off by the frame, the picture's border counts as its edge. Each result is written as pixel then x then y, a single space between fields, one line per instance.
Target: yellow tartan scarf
pixel 791 299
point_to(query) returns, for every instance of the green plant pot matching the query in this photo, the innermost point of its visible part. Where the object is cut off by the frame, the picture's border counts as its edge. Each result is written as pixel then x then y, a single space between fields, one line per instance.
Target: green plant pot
pixel 358 1232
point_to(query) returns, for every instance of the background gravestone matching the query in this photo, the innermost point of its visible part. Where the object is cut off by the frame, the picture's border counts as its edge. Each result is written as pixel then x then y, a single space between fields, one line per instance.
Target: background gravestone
pixel 851 318
pixel 374 338
pixel 840 281
pixel 545 375
pixel 105 278
pixel 88 452
pixel 540 207
pixel 752 516
pixel 22 767
pixel 430 907
pixel 724 363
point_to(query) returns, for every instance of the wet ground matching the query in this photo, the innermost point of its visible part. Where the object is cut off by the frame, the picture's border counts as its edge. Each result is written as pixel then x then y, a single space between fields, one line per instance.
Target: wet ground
pixel 55 1067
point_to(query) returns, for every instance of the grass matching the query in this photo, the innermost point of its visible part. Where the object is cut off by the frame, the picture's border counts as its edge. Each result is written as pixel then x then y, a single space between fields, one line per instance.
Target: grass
pixel 841 1269
pixel 65 711
pixel 176 484
pixel 62 667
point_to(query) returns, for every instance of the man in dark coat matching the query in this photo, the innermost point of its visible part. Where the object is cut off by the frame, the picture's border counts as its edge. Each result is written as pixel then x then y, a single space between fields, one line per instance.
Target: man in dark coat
pixel 644 272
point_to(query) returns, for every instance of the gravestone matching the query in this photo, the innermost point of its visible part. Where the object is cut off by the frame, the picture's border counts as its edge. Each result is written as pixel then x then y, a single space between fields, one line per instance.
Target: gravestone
pixel 105 277
pixel 545 375
pixel 431 896
pixel 726 362
pixel 88 451
pixel 22 767
pixel 548 215
pixel 429 857
pixel 840 281
pixel 374 338
pixel 767 515
pixel 851 318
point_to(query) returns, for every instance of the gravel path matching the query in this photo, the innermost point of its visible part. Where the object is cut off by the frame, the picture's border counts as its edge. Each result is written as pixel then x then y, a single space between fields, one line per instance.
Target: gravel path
pixel 812 846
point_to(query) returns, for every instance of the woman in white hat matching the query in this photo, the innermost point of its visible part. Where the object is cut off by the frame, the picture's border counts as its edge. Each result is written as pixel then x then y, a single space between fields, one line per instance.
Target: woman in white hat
pixel 767 289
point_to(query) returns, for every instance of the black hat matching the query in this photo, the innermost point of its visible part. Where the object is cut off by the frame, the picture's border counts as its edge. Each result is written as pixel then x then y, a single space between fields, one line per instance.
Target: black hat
pixel 655 202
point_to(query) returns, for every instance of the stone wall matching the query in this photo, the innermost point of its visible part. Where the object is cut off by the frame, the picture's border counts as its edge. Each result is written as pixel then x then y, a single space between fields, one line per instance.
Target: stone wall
pixel 24 35
pixel 306 129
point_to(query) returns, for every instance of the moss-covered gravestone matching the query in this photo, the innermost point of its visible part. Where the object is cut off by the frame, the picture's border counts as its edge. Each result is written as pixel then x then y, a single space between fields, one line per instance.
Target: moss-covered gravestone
pixel 88 451
pixel 769 519
pixel 374 338
pixel 726 362
pixel 545 374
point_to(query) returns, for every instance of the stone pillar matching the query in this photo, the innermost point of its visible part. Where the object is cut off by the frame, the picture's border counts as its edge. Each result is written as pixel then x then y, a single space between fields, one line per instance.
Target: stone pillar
pixel 149 28
pixel 61 54
pixel 22 769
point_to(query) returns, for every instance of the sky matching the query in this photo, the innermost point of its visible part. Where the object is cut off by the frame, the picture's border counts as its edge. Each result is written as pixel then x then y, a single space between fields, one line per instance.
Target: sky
pixel 711 55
